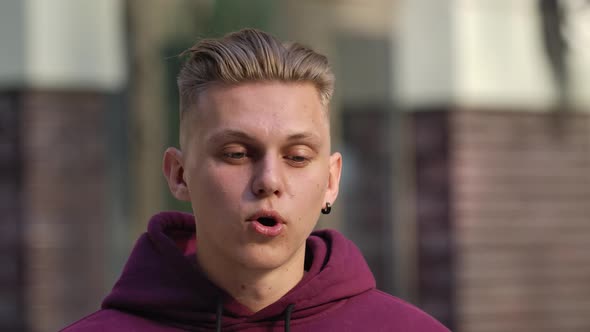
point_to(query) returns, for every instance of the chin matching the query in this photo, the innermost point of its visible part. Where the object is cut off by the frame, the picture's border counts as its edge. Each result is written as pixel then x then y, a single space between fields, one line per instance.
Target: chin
pixel 264 258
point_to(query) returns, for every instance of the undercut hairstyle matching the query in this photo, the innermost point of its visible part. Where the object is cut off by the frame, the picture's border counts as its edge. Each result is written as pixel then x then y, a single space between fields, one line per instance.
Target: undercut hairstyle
pixel 250 55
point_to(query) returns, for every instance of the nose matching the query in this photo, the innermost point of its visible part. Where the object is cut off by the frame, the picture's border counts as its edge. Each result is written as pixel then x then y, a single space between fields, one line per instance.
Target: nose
pixel 267 179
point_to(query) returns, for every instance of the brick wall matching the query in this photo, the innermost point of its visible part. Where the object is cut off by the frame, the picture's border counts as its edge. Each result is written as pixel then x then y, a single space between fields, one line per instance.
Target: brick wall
pixel 521 218
pixel 433 203
pixel 12 315
pixel 505 245
pixel 64 209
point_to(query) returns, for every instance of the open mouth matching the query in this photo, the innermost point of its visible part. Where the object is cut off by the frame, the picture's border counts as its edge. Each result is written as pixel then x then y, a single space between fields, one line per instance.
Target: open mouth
pixel 267 221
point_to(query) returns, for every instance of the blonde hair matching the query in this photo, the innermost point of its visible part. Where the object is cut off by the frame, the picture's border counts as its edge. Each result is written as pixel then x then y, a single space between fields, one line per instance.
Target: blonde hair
pixel 251 55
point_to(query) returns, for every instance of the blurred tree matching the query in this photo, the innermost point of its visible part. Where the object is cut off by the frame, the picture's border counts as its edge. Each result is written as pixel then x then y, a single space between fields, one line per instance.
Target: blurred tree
pixel 553 19
pixel 230 15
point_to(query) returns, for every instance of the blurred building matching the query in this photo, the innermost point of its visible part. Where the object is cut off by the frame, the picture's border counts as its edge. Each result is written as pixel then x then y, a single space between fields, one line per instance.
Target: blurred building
pixel 501 130
pixel 464 124
pixel 62 71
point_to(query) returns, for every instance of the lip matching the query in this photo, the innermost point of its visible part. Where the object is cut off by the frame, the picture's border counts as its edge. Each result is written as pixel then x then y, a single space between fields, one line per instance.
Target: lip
pixel 270 231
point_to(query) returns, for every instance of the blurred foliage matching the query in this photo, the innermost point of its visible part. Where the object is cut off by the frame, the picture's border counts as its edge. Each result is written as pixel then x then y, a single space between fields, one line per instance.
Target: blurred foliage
pixel 230 15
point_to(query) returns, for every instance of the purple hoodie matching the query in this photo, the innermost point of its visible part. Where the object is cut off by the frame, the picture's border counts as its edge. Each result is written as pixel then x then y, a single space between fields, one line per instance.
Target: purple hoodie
pixel 162 289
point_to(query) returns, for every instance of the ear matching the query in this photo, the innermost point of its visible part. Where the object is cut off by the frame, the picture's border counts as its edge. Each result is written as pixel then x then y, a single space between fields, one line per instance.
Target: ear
pixel 173 169
pixel 334 178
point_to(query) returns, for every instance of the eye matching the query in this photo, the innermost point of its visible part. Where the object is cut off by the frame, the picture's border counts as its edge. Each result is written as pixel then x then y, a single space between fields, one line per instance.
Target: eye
pixel 298 158
pixel 235 155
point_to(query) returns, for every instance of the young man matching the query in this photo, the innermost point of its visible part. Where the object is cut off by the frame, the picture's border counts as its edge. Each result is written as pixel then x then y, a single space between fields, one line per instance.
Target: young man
pixel 255 164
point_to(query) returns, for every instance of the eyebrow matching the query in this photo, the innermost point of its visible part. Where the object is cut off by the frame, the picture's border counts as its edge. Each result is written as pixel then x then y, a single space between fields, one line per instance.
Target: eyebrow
pixel 240 135
pixel 229 134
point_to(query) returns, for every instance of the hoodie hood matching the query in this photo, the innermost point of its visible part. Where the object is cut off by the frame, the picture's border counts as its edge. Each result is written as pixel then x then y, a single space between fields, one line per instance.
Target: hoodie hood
pixel 162 281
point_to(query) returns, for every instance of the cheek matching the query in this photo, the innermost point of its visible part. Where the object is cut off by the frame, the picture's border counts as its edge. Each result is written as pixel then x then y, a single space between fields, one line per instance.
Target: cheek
pixel 218 183
pixel 311 189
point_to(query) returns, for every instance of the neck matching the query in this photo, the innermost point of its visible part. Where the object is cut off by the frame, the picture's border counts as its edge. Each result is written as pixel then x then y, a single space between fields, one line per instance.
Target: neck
pixel 254 288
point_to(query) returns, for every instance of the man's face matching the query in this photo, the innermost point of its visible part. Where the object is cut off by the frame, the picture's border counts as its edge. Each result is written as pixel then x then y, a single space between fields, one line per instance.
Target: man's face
pixel 258 170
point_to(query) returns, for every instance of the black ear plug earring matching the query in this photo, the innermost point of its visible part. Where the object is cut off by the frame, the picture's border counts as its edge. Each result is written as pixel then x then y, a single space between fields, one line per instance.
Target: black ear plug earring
pixel 327 209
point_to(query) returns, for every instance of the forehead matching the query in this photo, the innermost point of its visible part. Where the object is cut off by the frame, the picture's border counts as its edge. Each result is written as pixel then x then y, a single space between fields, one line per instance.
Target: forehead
pixel 265 109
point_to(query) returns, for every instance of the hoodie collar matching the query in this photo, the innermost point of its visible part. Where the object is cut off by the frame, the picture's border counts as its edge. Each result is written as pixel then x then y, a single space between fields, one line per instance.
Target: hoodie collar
pixel 162 280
